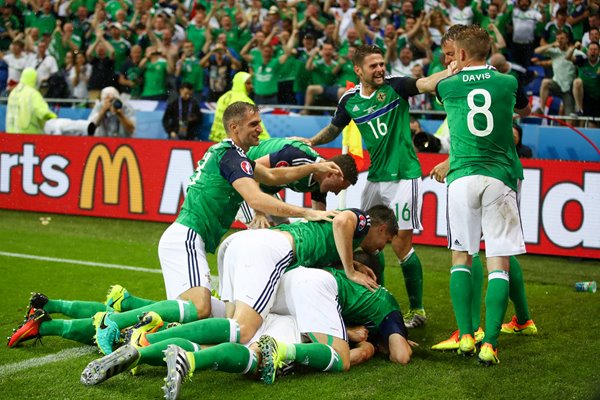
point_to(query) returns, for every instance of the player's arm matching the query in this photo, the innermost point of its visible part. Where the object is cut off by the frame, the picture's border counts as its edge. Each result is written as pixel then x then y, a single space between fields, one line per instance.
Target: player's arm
pixel 440 171
pixel 429 83
pixel 338 122
pixel 249 190
pixel 362 352
pixel 344 227
pixel 522 106
pixel 281 176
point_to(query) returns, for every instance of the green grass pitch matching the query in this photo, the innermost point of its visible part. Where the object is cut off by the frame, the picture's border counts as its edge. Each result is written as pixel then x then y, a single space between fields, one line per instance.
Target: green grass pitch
pixel 562 362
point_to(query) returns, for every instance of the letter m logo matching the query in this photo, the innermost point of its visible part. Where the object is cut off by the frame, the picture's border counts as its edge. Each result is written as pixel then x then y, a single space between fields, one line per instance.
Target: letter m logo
pixel 112 168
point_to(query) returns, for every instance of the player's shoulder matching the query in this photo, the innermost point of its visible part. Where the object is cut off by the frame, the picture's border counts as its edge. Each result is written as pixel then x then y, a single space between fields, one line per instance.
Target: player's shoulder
pixel 349 93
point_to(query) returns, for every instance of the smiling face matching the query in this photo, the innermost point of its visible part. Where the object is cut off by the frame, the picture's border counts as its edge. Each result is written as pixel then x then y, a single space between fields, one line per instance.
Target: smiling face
pixel 245 130
pixel 372 70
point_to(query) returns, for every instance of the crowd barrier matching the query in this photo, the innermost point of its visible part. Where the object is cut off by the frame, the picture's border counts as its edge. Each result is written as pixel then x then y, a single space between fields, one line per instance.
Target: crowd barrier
pixel 546 142
pixel 146 180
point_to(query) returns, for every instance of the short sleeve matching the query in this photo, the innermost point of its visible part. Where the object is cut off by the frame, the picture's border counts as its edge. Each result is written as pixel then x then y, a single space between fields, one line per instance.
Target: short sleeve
pixel 363 223
pixel 235 165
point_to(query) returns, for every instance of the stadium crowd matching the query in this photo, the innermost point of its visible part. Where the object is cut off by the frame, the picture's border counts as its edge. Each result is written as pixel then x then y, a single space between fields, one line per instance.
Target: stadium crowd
pixel 298 51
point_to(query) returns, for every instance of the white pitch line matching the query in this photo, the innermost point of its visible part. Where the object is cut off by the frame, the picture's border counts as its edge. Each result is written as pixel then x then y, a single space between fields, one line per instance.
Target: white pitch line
pixel 80 262
pixel 62 355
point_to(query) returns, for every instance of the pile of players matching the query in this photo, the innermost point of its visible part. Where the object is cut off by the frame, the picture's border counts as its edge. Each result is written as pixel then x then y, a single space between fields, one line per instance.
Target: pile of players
pixel 280 290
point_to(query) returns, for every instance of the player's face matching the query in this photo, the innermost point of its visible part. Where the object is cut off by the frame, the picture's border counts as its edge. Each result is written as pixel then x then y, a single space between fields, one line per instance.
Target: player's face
pixel 248 129
pixel 372 71
pixel 376 239
pixel 448 50
pixel 334 183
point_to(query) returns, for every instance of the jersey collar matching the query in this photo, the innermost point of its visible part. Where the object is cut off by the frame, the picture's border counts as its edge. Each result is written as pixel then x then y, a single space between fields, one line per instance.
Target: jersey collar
pixel 475 68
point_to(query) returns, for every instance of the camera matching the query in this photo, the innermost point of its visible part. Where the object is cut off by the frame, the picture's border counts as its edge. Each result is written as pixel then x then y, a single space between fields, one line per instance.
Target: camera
pixel 117 104
pixel 426 143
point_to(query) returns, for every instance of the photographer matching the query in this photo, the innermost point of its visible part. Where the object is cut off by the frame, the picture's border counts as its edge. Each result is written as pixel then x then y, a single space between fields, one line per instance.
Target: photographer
pixel 112 116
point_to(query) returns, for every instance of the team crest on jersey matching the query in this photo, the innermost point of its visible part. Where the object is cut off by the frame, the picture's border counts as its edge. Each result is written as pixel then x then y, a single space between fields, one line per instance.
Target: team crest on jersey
pixel 362 222
pixel 246 167
pixel 282 163
pixel 381 97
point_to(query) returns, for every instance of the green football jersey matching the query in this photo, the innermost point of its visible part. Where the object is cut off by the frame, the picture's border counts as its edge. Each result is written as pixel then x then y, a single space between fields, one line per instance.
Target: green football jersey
pixel 359 305
pixel 479 102
pixel 265 76
pixel 211 202
pixel 193 73
pixel 588 73
pixel 383 122
pixel 314 242
pixel 289 153
pixel 155 78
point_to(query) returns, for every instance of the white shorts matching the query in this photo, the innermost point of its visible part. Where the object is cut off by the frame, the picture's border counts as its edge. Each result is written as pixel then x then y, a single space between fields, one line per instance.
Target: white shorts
pixel 182 260
pixel 405 197
pixel 310 295
pixel 252 268
pixel 481 204
pixel 281 327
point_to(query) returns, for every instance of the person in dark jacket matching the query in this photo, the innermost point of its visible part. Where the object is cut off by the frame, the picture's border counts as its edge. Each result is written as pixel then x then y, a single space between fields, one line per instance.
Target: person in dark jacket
pixel 522 150
pixel 182 117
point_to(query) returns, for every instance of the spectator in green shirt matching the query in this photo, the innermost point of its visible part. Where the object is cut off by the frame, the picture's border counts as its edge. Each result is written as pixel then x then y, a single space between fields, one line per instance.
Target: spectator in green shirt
pixel 9 27
pixel 131 78
pixel 156 66
pixel 323 73
pixel 120 44
pixel 63 40
pixel 189 70
pixel 45 20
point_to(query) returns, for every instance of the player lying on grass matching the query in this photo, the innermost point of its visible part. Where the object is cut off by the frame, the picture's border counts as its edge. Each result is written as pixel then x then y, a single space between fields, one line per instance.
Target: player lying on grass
pixel 104 326
pixel 310 295
pixel 255 260
pixel 280 152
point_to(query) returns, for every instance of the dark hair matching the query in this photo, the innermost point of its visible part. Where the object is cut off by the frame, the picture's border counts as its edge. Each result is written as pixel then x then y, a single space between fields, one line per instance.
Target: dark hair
pixel 237 111
pixel 591 43
pixel 348 167
pixel 187 85
pixel 452 32
pixel 475 40
pixel 363 51
pixel 562 11
pixel 383 215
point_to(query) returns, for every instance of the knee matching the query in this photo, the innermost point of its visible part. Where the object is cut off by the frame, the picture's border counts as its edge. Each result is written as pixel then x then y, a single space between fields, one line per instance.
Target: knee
pixel 246 333
pixel 402 357
pixel 203 310
pixel 546 82
pixel 577 83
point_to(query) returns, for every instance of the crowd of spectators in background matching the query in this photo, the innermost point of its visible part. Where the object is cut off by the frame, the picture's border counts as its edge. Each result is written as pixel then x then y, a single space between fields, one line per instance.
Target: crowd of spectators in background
pixel 297 51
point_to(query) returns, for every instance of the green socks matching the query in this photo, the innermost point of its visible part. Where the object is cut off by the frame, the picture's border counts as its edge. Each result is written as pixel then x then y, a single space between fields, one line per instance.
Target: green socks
pixel 517 291
pixel 460 293
pixel 496 301
pixel 154 354
pixel 413 279
pixel 226 357
pixel 204 331
pixel 169 310
pixel 315 355
pixel 79 330
pixel 74 309
pixel 476 290
pixel 131 302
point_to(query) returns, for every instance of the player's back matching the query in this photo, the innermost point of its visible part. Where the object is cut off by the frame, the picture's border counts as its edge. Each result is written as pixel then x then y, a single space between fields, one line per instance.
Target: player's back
pixel 479 102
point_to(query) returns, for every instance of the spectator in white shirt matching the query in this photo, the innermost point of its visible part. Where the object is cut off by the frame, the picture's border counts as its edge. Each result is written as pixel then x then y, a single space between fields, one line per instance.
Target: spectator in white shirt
pixel 17 61
pixel 79 75
pixel 44 64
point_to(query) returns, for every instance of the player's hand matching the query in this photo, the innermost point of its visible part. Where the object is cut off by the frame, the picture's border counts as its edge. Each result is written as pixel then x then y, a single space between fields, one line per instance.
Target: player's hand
pixel 316 215
pixel 440 171
pixel 363 280
pixel 357 333
pixel 301 139
pixel 328 167
pixel 360 267
pixel 412 344
pixel 452 69
pixel 260 221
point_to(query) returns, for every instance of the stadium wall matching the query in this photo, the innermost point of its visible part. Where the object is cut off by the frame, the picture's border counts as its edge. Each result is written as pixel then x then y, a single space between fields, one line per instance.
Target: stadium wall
pixel 146 180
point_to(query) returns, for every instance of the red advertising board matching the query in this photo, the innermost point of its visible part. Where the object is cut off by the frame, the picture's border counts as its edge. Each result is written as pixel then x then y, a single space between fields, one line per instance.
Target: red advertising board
pixel 146 180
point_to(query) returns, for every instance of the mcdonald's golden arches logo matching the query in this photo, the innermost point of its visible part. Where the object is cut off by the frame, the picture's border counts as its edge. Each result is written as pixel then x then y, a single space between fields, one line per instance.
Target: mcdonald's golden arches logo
pixel 112 167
